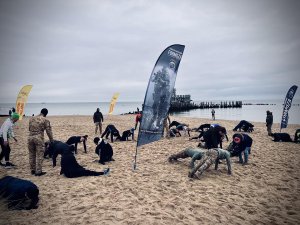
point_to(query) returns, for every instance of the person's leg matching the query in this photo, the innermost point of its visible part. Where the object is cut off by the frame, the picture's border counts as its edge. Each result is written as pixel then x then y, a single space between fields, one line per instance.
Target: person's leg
pixel 240 157
pixel 39 156
pixel 240 124
pixel 32 155
pixel 7 153
pixel 105 132
pixel 96 127
pixel 212 157
pixel 246 154
pixel 100 127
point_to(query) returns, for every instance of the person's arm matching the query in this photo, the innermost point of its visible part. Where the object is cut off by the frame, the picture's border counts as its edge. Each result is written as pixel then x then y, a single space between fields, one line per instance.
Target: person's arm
pixel 228 163
pixel 84 146
pixel 195 157
pixel 48 130
pixel 54 156
pixel 76 143
pixel 216 163
pixel 5 132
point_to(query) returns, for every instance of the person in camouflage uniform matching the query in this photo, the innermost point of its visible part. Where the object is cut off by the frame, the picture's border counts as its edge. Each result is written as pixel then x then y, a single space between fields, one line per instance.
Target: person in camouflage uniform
pixel 37 126
pixel 211 156
pixel 194 153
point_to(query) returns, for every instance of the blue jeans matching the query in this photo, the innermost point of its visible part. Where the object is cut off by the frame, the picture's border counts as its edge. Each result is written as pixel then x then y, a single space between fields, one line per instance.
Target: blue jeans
pixel 246 154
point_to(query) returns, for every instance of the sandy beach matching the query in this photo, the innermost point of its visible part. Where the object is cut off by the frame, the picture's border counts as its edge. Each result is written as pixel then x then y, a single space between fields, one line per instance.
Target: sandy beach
pixel 264 192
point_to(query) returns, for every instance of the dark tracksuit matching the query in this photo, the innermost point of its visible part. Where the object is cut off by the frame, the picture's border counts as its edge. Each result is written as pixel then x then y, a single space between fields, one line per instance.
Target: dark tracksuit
pixel 243 147
pixel 112 131
pixel 15 191
pixel 126 134
pixel 104 151
pixel 212 138
pixel 244 125
pixel 55 148
pixel 75 140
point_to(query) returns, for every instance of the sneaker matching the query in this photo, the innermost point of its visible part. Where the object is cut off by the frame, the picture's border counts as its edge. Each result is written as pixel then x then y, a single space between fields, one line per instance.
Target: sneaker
pixel 40 174
pixel 106 172
pixel 7 165
pixel 11 164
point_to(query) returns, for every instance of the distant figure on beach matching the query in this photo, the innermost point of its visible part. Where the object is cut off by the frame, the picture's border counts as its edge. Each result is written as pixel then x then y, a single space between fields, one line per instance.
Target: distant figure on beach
pixel 71 169
pixel 98 120
pixel 36 144
pixel 127 134
pixel 269 122
pixel 103 150
pixel 244 126
pixel 194 153
pixel 78 139
pixel 213 155
pixel 242 145
pixel 213 114
pixel 18 193
pixel 138 118
pixel 112 131
pixel 7 132
pixel 214 137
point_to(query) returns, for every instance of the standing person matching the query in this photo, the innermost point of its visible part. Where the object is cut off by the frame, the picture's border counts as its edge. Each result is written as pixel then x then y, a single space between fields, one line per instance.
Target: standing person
pixel 213 114
pixel 269 122
pixel 36 144
pixel 98 119
pixel 6 132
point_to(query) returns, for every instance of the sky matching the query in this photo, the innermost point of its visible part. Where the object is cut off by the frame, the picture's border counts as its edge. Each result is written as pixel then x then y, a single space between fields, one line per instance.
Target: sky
pixel 84 51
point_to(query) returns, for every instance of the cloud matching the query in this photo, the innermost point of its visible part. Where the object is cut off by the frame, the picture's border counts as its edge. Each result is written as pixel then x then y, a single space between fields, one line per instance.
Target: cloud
pixel 87 50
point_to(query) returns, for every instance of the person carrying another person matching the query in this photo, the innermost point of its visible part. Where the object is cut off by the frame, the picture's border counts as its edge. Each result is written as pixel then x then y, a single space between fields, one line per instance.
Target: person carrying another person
pixel 77 139
pixel 269 122
pixel 112 131
pixel 103 150
pixel 245 126
pixel 242 145
pixel 7 132
pixel 194 153
pixel 36 144
pixel 213 155
pixel 98 120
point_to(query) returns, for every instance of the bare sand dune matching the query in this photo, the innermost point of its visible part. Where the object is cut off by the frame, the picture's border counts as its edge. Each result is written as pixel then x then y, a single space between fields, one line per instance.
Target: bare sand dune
pixel 264 192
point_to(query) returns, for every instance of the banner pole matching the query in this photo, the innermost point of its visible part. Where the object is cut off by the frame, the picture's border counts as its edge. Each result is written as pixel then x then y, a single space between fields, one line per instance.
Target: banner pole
pixel 134 165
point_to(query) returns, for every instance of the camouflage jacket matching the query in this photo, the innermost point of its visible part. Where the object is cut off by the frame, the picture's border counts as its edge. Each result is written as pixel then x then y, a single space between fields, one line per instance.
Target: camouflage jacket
pixel 38 124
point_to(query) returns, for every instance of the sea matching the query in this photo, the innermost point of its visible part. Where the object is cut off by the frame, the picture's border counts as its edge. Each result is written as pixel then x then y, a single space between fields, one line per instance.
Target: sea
pixel 254 110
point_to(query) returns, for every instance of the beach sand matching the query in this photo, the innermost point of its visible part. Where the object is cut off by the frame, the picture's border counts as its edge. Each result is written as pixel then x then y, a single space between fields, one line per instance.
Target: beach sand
pixel 264 192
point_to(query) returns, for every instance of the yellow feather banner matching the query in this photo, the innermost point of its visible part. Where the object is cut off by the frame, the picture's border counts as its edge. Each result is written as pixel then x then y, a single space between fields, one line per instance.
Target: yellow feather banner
pixel 113 102
pixel 22 99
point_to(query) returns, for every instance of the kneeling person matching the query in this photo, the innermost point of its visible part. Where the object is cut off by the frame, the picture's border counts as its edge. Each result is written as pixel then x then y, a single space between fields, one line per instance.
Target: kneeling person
pixel 103 150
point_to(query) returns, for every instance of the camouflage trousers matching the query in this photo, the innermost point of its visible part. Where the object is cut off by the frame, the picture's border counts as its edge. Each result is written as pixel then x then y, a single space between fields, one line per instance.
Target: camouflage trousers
pixel 208 159
pixel 36 147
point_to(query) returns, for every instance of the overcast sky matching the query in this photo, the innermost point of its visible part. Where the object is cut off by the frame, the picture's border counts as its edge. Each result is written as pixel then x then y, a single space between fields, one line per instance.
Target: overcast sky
pixel 72 51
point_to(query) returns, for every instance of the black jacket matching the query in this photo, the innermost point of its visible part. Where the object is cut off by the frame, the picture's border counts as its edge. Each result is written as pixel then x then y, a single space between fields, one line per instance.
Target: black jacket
pixel 98 117
pixel 105 152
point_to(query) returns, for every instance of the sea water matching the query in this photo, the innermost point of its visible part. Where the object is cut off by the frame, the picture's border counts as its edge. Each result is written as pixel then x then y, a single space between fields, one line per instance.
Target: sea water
pixel 255 112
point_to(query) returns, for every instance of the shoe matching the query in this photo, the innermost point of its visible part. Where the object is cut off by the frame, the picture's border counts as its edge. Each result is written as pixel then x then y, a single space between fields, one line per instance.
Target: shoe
pixel 7 165
pixel 11 164
pixel 2 164
pixel 32 172
pixel 40 174
pixel 106 172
